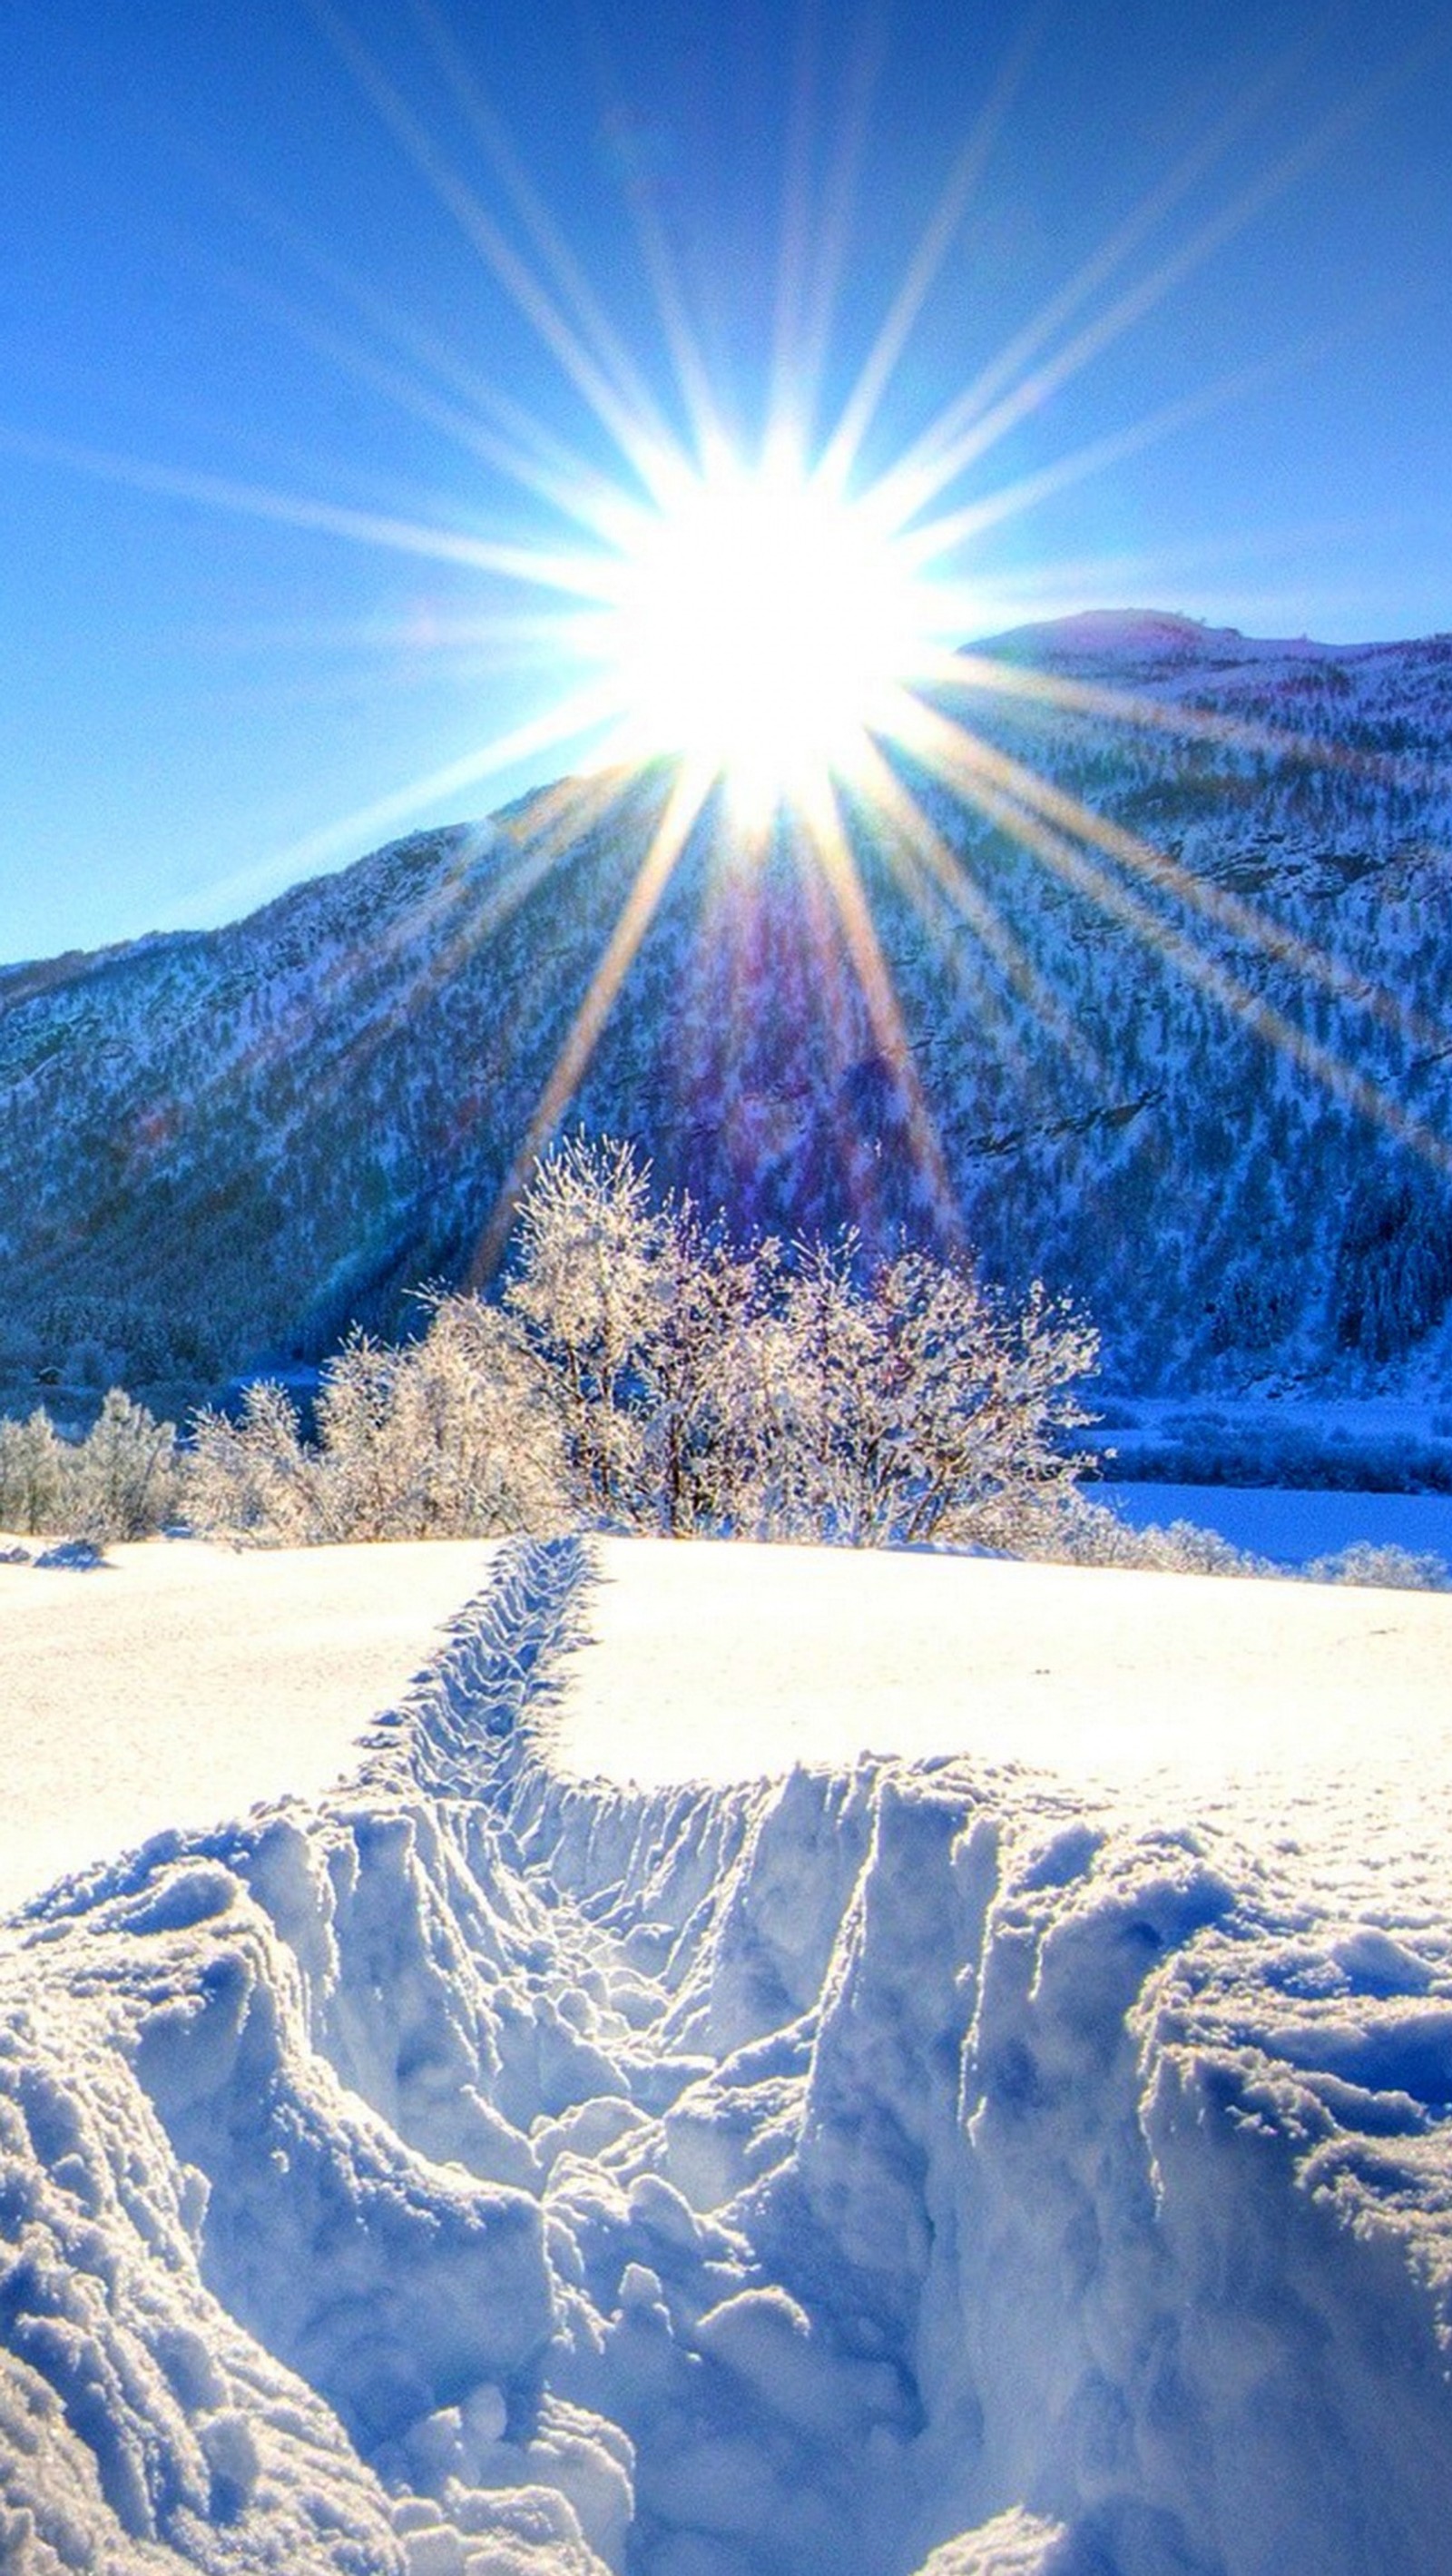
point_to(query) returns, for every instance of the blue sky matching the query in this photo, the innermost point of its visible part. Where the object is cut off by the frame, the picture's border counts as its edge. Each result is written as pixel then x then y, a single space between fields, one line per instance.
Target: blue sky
pixel 225 274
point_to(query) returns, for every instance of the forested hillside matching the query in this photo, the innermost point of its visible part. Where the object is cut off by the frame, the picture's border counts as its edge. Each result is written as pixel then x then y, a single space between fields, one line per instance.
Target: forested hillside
pixel 1196 1070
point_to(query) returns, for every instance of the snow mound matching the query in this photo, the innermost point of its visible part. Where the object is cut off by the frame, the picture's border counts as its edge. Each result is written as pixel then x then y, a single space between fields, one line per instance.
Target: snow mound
pixel 880 2166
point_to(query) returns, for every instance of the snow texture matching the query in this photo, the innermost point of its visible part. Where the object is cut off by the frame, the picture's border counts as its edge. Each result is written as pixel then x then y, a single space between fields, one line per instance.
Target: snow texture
pixel 978 2165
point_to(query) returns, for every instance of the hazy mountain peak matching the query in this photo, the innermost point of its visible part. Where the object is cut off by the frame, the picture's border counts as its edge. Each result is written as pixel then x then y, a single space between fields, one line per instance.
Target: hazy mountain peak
pixel 1147 634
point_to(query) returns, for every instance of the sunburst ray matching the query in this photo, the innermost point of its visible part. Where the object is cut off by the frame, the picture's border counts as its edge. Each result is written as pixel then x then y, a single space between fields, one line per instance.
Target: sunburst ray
pixel 840 455
pixel 576 574
pixel 923 456
pixel 977 774
pixel 809 285
pixel 821 774
pixel 940 742
pixel 691 375
pixel 493 432
pixel 641 434
pixel 559 724
pixel 684 802
pixel 549 242
pixel 832 848
pixel 933 541
pixel 909 831
pixel 942 458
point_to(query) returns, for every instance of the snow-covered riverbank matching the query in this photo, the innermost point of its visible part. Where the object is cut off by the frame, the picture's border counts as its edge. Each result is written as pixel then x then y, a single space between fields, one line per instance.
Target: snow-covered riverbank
pixel 751 2078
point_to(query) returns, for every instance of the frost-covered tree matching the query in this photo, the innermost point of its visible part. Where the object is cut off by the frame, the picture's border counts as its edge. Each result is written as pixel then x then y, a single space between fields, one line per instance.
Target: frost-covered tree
pixel 645 1372
pixel 362 1475
pixel 1395 1569
pixel 903 1403
pixel 252 1477
pixel 589 1287
pixel 477 1424
pixel 449 1436
pixel 698 1367
pixel 123 1481
pixel 32 1474
pixel 701 1384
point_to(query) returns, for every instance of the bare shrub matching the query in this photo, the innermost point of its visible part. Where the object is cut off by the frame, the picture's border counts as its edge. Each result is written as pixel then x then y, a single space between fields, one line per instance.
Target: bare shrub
pixel 702 1384
pixel 1395 1569
pixel 588 1292
pixel 450 1436
pixel 123 1481
pixel 898 1402
pixel 1087 1533
pixel 253 1478
pixel 645 1372
pixel 447 1437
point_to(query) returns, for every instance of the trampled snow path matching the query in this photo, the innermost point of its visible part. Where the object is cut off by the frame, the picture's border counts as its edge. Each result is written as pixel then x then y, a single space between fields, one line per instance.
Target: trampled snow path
pixel 1025 2147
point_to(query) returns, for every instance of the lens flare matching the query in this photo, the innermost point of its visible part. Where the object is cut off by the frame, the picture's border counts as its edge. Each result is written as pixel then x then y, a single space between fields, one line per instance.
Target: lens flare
pixel 762 628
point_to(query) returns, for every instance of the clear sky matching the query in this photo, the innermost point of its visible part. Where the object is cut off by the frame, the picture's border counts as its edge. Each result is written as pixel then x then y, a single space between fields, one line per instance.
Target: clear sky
pixel 267 360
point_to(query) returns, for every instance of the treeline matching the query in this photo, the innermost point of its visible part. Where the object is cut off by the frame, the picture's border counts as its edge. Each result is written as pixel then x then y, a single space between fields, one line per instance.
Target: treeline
pixel 643 1371
pixel 646 1372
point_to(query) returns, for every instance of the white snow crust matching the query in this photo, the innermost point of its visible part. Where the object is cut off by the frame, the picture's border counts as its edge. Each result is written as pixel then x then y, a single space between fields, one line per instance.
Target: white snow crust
pixel 641 2122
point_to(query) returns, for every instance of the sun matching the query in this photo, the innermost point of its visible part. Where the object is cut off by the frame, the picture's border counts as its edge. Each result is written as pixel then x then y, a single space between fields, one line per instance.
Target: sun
pixel 762 629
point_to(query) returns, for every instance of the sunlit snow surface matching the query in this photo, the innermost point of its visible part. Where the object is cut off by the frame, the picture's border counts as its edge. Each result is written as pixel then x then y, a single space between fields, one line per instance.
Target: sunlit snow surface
pixel 777 2061
pixel 176 1684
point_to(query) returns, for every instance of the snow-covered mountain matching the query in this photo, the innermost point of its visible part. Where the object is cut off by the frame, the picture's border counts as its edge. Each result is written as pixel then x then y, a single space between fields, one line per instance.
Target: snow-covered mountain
pixel 1197 1072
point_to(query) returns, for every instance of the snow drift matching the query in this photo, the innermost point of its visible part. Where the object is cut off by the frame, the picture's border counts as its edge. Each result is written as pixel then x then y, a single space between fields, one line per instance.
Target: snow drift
pixel 901 2166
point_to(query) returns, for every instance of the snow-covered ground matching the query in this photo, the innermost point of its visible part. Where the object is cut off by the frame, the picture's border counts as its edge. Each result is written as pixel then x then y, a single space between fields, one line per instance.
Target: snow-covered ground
pixel 177 1684
pixel 1170 1700
pixel 776 2062
pixel 728 1662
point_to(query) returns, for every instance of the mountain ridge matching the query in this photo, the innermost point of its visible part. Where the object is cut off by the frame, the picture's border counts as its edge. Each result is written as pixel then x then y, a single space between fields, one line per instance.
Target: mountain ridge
pixel 1116 630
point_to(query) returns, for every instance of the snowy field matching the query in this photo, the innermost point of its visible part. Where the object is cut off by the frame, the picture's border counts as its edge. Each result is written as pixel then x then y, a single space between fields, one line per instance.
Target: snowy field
pixel 179 1683
pixel 773 2062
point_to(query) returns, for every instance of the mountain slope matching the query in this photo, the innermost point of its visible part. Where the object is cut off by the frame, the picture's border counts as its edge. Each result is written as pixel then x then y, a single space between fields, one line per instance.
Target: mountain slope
pixel 1199 1077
